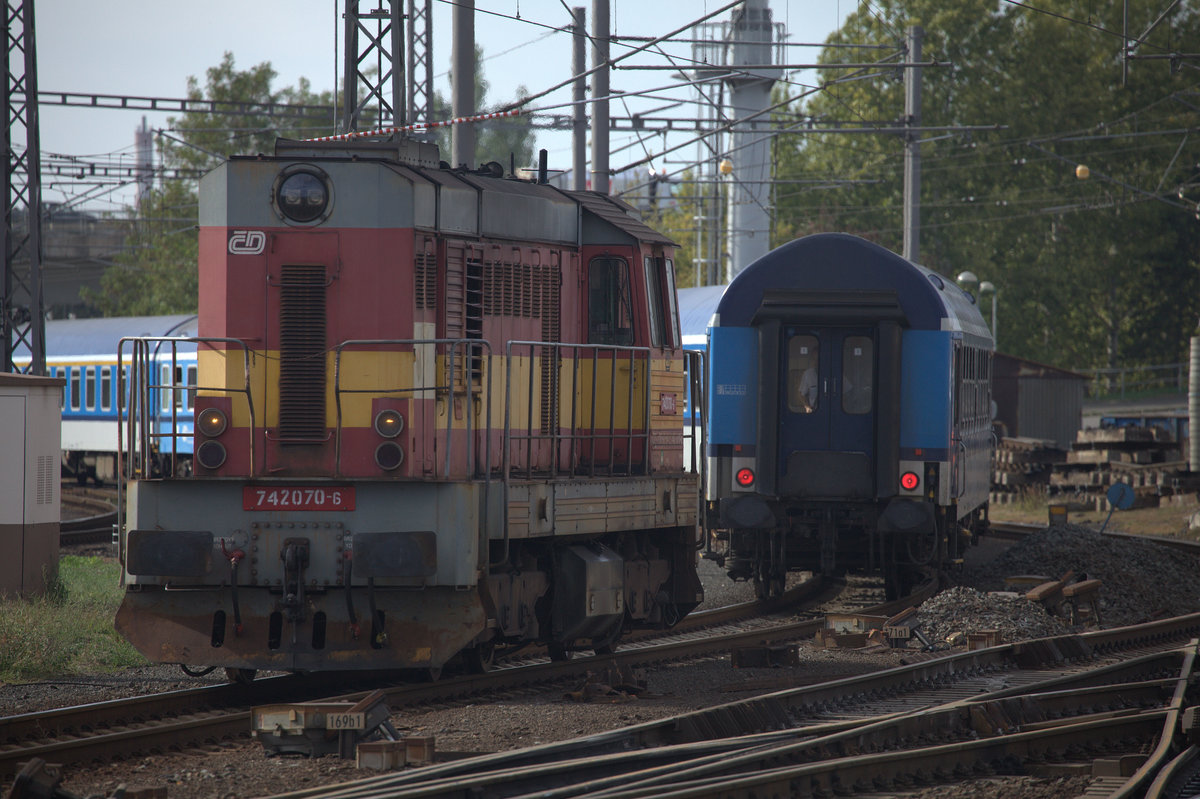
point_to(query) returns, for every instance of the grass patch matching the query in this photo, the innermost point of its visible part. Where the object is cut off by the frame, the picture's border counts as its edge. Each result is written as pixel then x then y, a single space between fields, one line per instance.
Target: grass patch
pixel 69 630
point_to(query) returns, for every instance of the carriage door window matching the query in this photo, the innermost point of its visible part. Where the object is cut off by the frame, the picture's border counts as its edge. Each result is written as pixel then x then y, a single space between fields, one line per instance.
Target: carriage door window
pixel 858 369
pixel 105 388
pixel 802 370
pixel 610 318
pixel 164 394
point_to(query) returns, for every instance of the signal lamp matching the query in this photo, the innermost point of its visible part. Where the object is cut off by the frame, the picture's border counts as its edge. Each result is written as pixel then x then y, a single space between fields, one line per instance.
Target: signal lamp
pixel 389 455
pixel 745 477
pixel 212 422
pixel 210 454
pixel 909 481
pixel 389 423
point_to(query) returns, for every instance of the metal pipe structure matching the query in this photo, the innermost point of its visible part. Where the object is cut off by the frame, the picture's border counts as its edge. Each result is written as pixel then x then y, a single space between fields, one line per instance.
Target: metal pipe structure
pixel 912 146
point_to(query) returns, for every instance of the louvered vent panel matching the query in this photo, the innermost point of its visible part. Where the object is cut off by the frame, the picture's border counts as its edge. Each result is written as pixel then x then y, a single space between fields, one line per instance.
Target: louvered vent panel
pixel 425 277
pixel 302 354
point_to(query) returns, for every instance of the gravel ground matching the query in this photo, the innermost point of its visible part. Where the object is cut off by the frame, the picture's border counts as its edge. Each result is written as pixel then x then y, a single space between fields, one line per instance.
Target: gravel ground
pixel 1141 580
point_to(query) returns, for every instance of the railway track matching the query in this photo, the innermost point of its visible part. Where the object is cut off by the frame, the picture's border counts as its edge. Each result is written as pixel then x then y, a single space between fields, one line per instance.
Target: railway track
pixel 181 719
pixel 1051 705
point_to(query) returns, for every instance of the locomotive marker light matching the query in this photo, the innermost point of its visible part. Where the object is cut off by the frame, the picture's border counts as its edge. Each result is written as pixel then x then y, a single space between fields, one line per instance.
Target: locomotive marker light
pixel 389 456
pixel 212 422
pixel 211 454
pixel 389 423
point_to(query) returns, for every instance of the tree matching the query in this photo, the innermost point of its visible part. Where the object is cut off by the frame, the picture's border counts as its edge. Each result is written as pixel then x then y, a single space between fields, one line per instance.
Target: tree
pixel 1091 272
pixel 156 273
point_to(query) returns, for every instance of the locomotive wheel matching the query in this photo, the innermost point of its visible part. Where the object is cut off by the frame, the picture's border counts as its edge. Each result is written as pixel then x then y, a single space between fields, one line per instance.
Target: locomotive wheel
pixel 240 676
pixel 479 658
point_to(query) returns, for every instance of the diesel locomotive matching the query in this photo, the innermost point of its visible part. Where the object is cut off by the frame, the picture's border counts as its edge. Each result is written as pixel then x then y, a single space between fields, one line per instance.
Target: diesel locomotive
pixel 849 414
pixel 438 412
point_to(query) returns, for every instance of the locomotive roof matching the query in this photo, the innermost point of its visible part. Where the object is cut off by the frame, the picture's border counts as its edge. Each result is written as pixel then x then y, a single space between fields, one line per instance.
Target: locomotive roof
pixel 81 338
pixel 839 262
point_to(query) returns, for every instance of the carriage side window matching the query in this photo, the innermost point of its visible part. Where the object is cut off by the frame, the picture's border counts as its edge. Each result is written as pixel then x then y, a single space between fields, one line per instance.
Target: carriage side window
pixel 89 387
pixel 73 382
pixel 105 388
pixel 858 369
pixel 802 369
pixel 191 391
pixel 164 395
pixel 610 315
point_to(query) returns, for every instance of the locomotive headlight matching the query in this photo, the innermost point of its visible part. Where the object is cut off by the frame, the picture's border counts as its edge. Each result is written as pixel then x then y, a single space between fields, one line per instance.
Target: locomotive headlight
pixel 389 455
pixel 389 423
pixel 745 477
pixel 302 195
pixel 210 454
pixel 212 422
pixel 909 481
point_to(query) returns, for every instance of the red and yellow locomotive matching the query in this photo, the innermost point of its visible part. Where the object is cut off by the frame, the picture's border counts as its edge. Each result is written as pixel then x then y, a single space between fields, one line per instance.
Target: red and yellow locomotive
pixel 438 412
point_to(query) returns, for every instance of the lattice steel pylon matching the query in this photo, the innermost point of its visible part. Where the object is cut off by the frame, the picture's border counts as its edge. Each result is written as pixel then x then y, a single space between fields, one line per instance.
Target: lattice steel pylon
pixel 22 323
pixel 388 66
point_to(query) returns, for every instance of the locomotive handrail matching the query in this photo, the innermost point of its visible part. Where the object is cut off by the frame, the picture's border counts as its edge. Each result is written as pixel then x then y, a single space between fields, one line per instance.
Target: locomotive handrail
pixel 454 343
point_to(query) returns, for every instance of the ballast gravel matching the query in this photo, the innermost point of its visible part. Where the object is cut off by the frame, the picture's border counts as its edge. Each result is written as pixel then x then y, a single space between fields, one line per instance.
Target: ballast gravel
pixel 1140 580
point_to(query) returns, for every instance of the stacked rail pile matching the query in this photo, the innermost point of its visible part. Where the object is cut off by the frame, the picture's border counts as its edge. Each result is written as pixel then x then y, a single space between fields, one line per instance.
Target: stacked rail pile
pixel 1021 466
pixel 1146 458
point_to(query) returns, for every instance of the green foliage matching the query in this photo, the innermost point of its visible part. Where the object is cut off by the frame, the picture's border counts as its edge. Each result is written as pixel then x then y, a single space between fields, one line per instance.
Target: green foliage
pixel 1091 273
pixel 70 629
pixel 508 140
pixel 156 273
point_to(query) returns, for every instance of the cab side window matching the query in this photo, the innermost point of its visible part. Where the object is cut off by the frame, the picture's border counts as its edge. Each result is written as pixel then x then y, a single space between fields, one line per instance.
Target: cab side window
pixel 610 302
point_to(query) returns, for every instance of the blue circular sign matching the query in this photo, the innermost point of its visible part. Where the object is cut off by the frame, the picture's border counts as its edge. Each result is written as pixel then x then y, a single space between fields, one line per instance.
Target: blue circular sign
pixel 1120 496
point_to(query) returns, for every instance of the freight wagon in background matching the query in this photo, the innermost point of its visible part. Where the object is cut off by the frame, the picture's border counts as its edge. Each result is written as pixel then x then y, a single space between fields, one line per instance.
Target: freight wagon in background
pixel 438 413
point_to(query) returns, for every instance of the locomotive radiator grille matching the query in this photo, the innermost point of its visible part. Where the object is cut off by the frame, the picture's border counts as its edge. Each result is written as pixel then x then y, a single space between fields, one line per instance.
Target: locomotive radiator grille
pixel 302 354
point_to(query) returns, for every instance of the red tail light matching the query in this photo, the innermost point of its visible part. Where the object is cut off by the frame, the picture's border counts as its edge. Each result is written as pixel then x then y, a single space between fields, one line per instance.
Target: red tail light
pixel 745 477
pixel 909 481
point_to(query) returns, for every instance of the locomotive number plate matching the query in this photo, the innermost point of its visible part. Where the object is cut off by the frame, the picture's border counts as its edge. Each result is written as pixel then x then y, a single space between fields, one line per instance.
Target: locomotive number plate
pixel 298 498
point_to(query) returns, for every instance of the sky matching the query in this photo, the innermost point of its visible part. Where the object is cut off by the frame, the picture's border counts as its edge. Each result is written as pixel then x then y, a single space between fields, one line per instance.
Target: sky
pixel 149 48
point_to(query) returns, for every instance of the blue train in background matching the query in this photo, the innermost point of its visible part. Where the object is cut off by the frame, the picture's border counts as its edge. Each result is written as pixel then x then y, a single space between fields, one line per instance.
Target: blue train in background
pixel 84 353
pixel 848 414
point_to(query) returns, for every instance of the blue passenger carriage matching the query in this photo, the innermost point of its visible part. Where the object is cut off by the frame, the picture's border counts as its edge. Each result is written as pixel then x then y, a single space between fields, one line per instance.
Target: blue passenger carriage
pixel 849 415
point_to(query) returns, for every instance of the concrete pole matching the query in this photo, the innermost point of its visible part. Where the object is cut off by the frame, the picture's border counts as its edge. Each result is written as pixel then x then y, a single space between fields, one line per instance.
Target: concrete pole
pixel 749 223
pixel 600 57
pixel 1194 406
pixel 578 94
pixel 462 139
pixel 912 147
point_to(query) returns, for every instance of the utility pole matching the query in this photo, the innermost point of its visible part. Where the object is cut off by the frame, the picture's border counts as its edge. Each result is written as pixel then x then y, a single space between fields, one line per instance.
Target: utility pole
pixel 600 62
pixel 462 80
pixel 749 224
pixel 578 94
pixel 22 319
pixel 912 146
